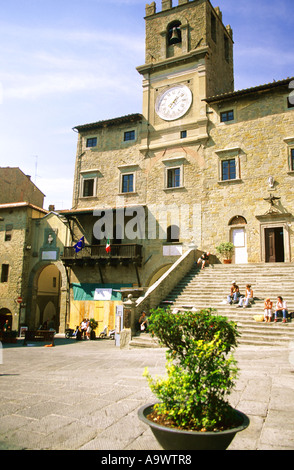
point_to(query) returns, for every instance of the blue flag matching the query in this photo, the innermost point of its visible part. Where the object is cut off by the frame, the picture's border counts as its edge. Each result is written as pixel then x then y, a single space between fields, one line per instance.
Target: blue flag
pixel 80 245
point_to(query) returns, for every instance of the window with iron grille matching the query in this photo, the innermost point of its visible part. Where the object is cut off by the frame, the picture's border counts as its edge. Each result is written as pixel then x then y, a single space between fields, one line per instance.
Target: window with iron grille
pixel 129 135
pixel 92 142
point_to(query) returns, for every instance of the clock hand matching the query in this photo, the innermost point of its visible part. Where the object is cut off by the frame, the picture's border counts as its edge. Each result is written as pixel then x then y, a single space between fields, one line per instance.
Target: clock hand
pixel 174 102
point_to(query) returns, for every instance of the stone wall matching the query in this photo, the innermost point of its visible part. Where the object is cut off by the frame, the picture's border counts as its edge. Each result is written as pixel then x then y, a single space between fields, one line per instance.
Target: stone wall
pixel 256 138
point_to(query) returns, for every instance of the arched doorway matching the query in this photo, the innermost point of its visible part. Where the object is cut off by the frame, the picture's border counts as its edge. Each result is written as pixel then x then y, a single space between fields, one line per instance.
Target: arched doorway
pixel 239 239
pixel 48 297
pixel 42 289
pixel 5 315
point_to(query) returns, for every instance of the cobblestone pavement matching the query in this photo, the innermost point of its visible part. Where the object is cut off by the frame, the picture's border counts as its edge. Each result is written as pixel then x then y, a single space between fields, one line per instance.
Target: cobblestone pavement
pixel 85 396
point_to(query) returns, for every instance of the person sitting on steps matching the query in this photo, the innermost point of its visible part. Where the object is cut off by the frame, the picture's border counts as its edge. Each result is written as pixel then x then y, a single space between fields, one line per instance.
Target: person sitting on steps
pixel 248 298
pixel 234 295
pixel 268 305
pixel 281 307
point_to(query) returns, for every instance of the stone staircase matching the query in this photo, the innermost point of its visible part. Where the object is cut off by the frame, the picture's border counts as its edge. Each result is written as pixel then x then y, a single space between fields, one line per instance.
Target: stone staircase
pixel 209 288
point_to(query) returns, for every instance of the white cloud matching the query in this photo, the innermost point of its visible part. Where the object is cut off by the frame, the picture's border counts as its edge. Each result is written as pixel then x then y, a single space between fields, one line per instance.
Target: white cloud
pixel 91 63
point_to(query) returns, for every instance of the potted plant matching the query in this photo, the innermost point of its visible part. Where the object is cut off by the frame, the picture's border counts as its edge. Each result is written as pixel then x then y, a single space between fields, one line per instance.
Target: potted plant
pixel 226 251
pixel 192 411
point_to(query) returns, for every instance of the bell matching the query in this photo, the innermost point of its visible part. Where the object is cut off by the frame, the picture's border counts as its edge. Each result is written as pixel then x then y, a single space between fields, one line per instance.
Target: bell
pixel 175 37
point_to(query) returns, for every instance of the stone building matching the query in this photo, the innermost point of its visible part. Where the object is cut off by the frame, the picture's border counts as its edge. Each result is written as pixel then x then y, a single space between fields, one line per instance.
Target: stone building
pixel 18 187
pixel 33 282
pixel 202 164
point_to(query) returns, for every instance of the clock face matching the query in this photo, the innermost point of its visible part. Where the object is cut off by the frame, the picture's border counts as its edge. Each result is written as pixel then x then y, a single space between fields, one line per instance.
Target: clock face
pixel 173 103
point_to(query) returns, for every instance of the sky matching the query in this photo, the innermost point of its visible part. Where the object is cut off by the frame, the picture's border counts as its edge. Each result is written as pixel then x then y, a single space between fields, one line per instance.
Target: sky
pixel 70 62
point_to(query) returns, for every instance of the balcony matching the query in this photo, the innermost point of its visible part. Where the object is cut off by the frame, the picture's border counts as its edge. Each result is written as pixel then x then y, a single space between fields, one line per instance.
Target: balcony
pixel 92 254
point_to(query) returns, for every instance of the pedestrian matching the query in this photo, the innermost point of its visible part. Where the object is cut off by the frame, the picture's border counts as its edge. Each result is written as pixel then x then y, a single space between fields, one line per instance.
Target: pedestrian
pixel 6 325
pixel 268 305
pixel 281 307
pixel 89 330
pixel 203 258
pixel 143 321
pixel 234 295
pixel 84 328
pixel 248 298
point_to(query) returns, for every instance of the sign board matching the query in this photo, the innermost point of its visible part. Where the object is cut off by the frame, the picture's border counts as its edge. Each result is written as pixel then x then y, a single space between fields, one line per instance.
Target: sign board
pixel 102 294
pixel 19 300
pixel 49 255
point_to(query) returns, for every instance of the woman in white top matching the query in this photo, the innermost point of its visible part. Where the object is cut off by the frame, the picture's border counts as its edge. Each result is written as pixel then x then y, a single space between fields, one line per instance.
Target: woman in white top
pixel 244 301
pixel 281 307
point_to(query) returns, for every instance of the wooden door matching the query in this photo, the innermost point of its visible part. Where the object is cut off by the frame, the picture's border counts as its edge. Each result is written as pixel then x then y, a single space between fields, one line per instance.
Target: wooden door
pixel 274 245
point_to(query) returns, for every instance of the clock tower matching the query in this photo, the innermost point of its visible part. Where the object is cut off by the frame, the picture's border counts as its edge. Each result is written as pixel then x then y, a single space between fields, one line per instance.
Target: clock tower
pixel 189 57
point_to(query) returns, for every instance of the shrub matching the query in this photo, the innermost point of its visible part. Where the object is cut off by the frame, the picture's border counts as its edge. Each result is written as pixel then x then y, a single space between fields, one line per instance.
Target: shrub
pixel 200 367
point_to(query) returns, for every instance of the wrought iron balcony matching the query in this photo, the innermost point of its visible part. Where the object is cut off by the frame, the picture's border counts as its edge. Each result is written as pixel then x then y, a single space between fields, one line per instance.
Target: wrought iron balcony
pixel 124 253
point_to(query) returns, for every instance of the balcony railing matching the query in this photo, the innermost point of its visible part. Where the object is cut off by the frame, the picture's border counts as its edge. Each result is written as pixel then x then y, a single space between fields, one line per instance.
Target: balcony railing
pixel 128 252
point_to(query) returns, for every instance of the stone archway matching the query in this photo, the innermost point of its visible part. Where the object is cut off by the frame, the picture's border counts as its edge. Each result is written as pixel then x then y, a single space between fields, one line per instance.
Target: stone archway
pixel 47 296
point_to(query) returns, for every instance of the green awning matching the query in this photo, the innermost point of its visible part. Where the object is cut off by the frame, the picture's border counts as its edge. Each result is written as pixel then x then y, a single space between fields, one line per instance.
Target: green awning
pixel 93 292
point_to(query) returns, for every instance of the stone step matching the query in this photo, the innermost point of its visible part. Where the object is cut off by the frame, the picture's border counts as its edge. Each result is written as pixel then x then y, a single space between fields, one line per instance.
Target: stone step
pixel 144 340
pixel 209 288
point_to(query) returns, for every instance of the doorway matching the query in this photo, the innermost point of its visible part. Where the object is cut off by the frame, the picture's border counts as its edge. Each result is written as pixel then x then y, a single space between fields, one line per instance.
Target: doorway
pixel 5 315
pixel 274 245
pixel 48 297
pixel 238 236
pixel 240 245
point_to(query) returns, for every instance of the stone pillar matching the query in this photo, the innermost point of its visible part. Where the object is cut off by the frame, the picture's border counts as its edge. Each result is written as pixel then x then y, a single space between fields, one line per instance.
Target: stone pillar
pixel 129 314
pixel 181 2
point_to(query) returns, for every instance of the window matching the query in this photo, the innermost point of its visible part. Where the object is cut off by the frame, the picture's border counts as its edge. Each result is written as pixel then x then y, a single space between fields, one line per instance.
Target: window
pixel 92 142
pixel 4 272
pixel 228 169
pixel 127 183
pixel 174 178
pixel 173 233
pixel 292 159
pixel 88 187
pixel 8 232
pixel 129 135
pixel 88 183
pixel 183 134
pixel 227 116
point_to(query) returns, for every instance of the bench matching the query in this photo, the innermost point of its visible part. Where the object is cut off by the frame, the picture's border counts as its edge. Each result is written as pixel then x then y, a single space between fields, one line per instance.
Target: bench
pixel 39 335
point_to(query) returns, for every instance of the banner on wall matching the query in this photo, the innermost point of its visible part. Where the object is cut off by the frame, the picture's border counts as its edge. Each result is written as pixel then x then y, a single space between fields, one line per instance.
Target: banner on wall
pixel 102 294
pixel 93 292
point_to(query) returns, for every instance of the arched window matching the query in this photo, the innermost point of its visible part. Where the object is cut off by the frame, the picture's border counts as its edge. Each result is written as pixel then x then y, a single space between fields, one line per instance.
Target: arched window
pixel 238 220
pixel 174 34
pixel 173 233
